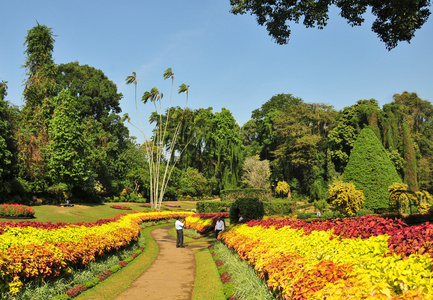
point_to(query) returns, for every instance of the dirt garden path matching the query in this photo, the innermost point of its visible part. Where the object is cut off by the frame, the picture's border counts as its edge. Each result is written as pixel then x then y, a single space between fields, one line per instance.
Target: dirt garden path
pixel 170 276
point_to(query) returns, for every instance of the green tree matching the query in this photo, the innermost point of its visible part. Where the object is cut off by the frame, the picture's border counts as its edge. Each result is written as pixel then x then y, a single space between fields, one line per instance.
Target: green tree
pixel 396 21
pixel 371 170
pixel 66 151
pixel 39 90
pixel 410 176
pixel 193 183
pixel 228 153
pixel 106 136
pixel 8 159
pixel 301 149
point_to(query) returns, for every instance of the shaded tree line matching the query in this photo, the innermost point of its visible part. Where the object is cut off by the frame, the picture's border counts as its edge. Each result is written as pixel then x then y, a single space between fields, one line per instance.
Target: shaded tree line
pixel 308 144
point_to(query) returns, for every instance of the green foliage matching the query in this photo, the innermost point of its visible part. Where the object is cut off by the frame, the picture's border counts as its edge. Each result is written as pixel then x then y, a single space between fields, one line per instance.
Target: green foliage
pixel 231 195
pixel 66 151
pixel 364 212
pixel 410 176
pixel 345 198
pixel 8 157
pixel 371 170
pixel 193 183
pixel 305 216
pixel 91 282
pixel 321 205
pixel 395 21
pixel 401 197
pixel 213 206
pixel 249 208
pixel 115 268
pixel 278 207
pixel 61 297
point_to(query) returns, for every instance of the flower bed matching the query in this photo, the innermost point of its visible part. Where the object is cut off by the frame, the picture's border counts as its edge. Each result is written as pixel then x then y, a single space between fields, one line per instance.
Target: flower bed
pixel 50 250
pixel 360 258
pixel 204 222
pixel 16 211
pixel 120 207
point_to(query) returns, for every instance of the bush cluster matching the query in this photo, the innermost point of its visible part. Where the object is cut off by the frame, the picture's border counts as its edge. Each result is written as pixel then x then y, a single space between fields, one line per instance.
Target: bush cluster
pixel 232 195
pixel 249 208
pixel 212 206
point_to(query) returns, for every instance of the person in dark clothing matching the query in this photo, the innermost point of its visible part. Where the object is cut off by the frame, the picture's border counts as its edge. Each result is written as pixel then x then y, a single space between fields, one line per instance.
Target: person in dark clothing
pixel 179 230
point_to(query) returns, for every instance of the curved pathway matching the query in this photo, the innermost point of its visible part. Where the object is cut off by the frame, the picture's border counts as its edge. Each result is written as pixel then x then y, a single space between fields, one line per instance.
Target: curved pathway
pixel 170 276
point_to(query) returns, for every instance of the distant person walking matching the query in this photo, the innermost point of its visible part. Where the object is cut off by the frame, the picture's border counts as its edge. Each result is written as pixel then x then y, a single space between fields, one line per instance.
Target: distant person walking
pixel 318 214
pixel 179 230
pixel 219 226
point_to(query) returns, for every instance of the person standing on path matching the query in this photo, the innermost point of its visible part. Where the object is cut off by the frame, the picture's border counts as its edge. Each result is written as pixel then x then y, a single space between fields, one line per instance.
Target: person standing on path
pixel 179 230
pixel 219 226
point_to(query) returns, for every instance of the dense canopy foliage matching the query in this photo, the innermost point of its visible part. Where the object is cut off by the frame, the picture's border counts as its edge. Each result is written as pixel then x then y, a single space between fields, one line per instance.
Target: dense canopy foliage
pixel 396 21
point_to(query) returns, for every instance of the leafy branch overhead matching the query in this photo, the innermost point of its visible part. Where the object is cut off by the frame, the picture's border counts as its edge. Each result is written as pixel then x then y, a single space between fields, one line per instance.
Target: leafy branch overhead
pixel 396 20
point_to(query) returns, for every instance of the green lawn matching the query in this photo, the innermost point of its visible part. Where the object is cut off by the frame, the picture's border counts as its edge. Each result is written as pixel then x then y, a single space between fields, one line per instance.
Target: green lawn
pixel 92 212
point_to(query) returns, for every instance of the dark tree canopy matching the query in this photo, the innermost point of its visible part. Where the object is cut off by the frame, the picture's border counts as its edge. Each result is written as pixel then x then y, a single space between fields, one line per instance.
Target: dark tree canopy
pixel 396 20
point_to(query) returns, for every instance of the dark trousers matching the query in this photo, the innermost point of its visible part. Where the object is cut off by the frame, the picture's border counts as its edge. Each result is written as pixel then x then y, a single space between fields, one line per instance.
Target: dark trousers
pixel 216 233
pixel 179 240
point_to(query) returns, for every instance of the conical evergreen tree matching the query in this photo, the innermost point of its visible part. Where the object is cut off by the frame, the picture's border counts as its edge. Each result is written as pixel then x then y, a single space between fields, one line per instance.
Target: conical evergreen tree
pixel 410 176
pixel 371 170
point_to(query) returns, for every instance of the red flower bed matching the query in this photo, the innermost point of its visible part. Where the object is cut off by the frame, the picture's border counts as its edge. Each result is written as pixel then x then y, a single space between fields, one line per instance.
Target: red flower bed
pixel 104 275
pixel 120 207
pixel 76 290
pixel 16 210
pixel 225 277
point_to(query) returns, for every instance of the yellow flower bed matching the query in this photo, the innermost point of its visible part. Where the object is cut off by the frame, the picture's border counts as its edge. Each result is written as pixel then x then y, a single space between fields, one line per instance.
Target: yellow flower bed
pixel 28 252
pixel 321 266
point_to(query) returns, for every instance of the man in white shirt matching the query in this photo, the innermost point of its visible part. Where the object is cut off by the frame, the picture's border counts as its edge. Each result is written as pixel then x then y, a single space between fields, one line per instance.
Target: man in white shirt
pixel 179 230
pixel 219 226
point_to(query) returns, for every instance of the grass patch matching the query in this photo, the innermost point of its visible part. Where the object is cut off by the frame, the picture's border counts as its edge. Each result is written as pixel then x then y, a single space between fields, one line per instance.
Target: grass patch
pixel 121 280
pixel 246 284
pixel 207 283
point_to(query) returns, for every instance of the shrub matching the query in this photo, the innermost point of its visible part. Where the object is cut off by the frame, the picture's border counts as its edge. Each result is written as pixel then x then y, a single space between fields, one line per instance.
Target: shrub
pixel 232 195
pixel 250 208
pixel 400 198
pixel 365 212
pixel 345 198
pixel 321 205
pixel 304 216
pixel 115 268
pixel 283 189
pixel 61 297
pixel 16 210
pixel 91 282
pixel 212 206
pixel 278 207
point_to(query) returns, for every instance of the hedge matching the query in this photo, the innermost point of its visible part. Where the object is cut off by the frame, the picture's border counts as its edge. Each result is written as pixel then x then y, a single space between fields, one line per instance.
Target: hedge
pixel 233 195
pixel 213 206
pixel 279 207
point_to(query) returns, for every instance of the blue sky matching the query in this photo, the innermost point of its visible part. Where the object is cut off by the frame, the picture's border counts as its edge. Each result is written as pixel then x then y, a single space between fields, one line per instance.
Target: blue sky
pixel 228 61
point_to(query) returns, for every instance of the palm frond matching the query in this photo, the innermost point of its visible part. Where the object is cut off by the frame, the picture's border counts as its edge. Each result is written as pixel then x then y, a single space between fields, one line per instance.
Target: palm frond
pixel 183 88
pixel 131 78
pixel 168 73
